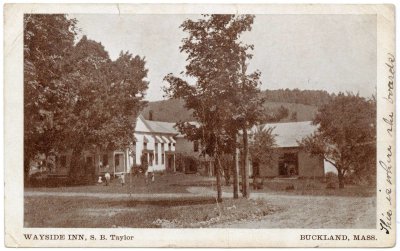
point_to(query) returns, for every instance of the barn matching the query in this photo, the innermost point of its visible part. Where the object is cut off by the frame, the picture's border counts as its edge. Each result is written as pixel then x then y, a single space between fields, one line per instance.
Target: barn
pixel 288 158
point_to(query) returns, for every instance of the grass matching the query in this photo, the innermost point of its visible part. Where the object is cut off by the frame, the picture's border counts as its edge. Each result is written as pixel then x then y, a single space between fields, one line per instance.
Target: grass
pixel 178 183
pixel 310 187
pixel 164 183
pixel 62 212
pixel 354 206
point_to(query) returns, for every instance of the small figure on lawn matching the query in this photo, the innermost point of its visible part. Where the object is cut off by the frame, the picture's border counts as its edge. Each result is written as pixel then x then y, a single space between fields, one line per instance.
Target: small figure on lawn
pixel 144 163
pixel 122 178
pixel 107 176
pixel 100 180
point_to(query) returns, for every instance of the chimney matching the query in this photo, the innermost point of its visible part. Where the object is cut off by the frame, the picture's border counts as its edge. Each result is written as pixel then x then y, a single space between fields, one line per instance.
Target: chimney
pixel 151 115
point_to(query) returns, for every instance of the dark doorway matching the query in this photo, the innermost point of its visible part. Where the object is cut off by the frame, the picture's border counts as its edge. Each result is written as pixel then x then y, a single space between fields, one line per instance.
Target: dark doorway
pixel 288 164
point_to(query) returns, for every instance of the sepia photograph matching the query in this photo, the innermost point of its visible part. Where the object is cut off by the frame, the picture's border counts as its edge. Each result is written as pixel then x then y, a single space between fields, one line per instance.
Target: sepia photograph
pixel 248 121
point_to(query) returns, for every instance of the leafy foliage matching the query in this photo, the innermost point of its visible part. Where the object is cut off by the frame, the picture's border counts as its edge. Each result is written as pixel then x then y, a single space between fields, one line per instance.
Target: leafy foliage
pixel 346 135
pixel 214 57
pixel 216 60
pixel 48 41
pixel 261 148
pixel 75 96
pixel 107 96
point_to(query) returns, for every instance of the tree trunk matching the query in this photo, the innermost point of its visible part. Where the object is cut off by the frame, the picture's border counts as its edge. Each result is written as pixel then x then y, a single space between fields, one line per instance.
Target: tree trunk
pixel 235 174
pixel 245 179
pixel 255 176
pixel 76 165
pixel 227 173
pixel 27 159
pixel 341 179
pixel 218 175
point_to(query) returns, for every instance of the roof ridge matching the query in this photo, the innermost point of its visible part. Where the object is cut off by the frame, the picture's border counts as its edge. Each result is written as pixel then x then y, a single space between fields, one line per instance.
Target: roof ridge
pixel 290 122
pixel 145 123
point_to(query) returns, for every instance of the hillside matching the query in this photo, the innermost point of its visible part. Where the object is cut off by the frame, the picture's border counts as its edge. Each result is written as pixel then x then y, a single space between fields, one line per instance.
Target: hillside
pixel 173 110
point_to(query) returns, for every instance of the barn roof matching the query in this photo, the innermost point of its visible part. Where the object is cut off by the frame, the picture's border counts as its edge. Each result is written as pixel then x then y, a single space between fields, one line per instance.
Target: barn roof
pixel 287 134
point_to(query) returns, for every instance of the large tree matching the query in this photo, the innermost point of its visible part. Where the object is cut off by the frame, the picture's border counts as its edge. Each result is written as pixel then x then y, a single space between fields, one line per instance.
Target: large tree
pixel 106 98
pixel 48 41
pixel 346 135
pixel 215 60
pixel 75 96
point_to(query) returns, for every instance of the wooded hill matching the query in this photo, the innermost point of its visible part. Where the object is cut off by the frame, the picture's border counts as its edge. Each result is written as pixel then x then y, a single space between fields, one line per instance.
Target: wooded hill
pixel 302 105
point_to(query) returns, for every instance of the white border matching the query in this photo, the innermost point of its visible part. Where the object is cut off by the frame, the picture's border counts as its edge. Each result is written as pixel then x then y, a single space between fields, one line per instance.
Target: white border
pixel 187 237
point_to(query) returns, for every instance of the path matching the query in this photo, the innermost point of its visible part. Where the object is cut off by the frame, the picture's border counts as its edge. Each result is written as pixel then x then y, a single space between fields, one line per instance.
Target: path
pixel 314 212
pixel 302 211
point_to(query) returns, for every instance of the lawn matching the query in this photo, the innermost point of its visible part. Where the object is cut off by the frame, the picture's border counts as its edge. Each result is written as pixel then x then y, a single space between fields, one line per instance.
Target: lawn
pixel 163 183
pixel 310 187
pixel 91 212
pixel 179 183
pixel 179 200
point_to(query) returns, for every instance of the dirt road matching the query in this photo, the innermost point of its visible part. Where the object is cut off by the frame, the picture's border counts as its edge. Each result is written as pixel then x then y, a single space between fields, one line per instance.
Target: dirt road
pixel 314 212
pixel 299 211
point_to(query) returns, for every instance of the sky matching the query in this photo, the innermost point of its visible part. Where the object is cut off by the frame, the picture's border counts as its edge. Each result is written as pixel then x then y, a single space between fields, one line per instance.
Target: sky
pixel 316 52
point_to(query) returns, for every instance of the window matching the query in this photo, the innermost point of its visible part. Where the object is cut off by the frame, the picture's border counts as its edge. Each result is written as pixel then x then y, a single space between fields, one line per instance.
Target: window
pixel 169 146
pixel 162 147
pixel 144 145
pixel 63 161
pixel 173 144
pixel 134 158
pixel 196 146
pixel 162 159
pixel 104 159
pixel 151 157
pixel 156 158
pixel 89 160
pixel 116 160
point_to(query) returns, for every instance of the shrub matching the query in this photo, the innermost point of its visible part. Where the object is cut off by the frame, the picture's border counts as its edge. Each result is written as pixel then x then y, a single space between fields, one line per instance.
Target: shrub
pixel 258 183
pixel 331 177
pixel 311 186
pixel 159 172
pixel 138 169
pixel 289 187
pixel 331 185
pixel 361 179
pixel 187 163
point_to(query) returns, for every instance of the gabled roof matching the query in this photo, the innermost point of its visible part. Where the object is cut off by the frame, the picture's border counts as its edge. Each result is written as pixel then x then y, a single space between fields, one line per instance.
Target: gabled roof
pixel 287 134
pixel 159 127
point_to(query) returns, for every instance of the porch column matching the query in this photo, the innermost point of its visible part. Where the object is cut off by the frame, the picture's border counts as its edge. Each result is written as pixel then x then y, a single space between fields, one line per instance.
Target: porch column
pixel 114 163
pixel 127 160
pixel 174 164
